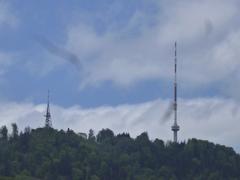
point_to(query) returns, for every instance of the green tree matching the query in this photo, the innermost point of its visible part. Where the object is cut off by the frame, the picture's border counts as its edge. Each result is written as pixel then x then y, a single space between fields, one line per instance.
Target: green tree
pixel 91 135
pixel 105 135
pixel 94 177
pixel 14 131
pixel 4 132
pixel 45 153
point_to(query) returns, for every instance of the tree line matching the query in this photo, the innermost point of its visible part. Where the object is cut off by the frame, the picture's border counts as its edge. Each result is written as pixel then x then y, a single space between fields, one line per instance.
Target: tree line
pixel 47 153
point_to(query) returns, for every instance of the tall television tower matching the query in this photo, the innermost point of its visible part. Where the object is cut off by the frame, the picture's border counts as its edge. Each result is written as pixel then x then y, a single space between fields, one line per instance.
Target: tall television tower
pixel 48 122
pixel 175 126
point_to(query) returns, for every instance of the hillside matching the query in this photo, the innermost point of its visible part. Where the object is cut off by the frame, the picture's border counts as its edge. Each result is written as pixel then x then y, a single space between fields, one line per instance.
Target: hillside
pixel 46 153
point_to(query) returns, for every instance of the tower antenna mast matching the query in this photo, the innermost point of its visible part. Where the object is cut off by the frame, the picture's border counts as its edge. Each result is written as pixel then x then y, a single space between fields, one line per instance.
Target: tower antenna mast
pixel 175 127
pixel 48 122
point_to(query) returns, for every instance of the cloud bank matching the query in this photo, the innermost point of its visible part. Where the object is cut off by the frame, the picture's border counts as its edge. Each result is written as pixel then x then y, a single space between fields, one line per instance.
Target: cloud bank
pixel 214 119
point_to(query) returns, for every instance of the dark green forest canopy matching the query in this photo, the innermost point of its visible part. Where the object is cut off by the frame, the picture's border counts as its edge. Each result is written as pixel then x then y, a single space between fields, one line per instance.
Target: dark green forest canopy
pixel 50 154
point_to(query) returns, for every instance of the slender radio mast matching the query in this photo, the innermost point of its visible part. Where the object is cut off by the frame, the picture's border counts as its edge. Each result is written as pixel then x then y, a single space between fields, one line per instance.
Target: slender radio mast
pixel 175 127
pixel 48 122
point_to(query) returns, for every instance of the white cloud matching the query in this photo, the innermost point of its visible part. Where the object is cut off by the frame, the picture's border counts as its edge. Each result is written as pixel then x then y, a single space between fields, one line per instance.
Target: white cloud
pixel 189 21
pixel 207 32
pixel 214 119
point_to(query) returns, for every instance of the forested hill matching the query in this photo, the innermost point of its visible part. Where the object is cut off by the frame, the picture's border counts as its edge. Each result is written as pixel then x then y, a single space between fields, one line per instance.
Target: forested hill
pixel 46 153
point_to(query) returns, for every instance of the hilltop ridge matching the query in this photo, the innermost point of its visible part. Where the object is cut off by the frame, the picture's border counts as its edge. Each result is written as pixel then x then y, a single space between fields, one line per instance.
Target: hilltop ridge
pixel 47 153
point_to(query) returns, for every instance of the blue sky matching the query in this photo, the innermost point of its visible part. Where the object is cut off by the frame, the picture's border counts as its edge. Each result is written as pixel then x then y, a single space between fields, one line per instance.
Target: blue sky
pixel 123 70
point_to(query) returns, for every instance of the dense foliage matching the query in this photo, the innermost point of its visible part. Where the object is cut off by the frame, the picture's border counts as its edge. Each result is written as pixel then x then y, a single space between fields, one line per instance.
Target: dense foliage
pixel 46 153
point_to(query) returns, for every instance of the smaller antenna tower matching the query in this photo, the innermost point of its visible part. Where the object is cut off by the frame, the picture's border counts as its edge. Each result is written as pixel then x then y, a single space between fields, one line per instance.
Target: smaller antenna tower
pixel 175 127
pixel 48 122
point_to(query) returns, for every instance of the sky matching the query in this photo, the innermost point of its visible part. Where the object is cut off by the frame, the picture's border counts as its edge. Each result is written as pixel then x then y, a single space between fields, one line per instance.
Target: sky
pixel 109 64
